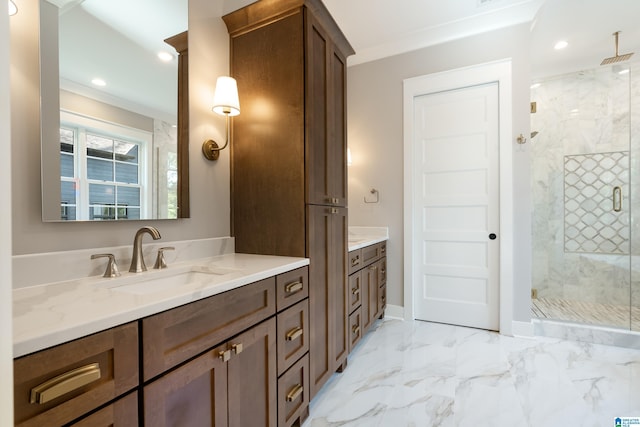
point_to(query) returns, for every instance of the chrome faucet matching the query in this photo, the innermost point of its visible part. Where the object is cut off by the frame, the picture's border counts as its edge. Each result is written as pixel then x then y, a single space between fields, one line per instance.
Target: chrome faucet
pixel 137 260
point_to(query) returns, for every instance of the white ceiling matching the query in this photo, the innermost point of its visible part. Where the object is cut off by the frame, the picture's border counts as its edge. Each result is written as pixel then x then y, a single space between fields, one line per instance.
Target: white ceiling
pixel 382 28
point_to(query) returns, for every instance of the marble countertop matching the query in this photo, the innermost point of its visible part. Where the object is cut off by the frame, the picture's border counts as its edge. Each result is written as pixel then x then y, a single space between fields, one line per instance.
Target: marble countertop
pixel 361 237
pixel 51 314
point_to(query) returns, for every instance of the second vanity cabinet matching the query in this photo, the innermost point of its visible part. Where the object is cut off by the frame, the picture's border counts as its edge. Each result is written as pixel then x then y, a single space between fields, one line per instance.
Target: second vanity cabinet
pixel 238 358
pixel 366 289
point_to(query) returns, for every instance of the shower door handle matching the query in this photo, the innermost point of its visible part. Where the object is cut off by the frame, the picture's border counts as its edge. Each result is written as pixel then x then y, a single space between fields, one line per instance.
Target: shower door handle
pixel 617 199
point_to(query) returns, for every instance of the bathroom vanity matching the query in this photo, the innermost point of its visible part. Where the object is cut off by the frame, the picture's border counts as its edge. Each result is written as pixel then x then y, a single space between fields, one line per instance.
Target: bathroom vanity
pixel 191 353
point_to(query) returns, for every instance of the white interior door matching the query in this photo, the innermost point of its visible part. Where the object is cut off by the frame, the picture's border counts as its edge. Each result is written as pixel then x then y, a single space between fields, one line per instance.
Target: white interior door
pixel 456 197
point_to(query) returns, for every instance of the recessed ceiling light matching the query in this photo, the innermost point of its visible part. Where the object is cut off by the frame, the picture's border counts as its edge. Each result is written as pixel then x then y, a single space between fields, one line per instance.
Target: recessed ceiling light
pixel 625 71
pixel 98 82
pixel 536 85
pixel 560 45
pixel 165 56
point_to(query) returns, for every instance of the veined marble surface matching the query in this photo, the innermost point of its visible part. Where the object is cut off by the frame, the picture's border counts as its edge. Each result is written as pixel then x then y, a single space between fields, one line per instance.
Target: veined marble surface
pixel 49 267
pixel 51 314
pixel 360 237
pixel 427 374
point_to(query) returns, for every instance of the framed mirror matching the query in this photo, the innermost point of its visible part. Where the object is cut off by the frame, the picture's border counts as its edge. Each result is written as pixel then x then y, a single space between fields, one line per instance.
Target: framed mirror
pixel 114 109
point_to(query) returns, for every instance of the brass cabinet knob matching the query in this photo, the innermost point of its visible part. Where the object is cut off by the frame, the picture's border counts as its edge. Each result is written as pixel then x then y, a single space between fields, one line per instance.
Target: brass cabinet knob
pixel 224 355
pixel 237 348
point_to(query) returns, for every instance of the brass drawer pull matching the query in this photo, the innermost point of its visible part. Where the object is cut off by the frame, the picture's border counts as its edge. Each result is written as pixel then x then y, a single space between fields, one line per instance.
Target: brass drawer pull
pixel 294 334
pixel 334 210
pixel 294 393
pixel 355 261
pixel 224 355
pixel 355 291
pixel 65 383
pixel 293 287
pixel 373 267
pixel 383 249
pixel 355 329
pixel 237 348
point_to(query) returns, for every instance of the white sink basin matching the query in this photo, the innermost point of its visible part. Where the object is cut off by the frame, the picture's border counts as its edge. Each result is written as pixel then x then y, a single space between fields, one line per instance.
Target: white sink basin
pixel 170 280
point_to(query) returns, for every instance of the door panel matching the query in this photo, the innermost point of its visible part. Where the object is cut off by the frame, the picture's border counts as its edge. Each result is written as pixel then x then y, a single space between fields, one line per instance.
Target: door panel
pixel 457 191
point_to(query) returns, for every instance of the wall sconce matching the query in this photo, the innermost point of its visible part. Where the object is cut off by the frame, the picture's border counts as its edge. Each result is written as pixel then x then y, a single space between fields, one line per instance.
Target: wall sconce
pixel 13 9
pixel 349 159
pixel 225 103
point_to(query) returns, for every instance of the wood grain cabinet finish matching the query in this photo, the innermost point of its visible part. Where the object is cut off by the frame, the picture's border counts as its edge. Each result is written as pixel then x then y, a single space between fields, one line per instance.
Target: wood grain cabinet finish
pixel 233 384
pixel 172 337
pixel 355 327
pixel 288 157
pixel 292 287
pixel 371 277
pixel 100 368
pixel 121 413
pixel 293 394
pixel 293 334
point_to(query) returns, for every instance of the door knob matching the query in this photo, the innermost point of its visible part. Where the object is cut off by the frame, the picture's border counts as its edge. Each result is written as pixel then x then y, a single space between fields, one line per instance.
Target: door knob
pixel 492 236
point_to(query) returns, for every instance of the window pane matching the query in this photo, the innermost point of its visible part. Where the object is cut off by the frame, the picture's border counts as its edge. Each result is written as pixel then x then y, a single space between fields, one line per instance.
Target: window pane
pixel 67 212
pixel 101 170
pixel 172 161
pixel 128 196
pixel 68 193
pixel 66 165
pixel 66 140
pixel 128 213
pixel 98 146
pixel 102 212
pixel 126 152
pixel 126 173
pixel 100 194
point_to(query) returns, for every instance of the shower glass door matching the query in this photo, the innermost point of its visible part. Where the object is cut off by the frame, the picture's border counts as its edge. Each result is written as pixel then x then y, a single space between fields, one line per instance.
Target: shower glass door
pixel 583 173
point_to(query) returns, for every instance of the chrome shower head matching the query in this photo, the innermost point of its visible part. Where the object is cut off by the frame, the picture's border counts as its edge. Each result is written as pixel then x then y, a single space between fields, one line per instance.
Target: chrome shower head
pixel 617 58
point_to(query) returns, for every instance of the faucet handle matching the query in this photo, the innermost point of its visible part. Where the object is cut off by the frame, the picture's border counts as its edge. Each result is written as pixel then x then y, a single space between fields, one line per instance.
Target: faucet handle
pixel 112 267
pixel 160 262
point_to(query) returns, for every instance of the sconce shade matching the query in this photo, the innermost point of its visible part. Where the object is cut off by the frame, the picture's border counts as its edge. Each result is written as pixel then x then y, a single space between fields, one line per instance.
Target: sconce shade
pixel 13 9
pixel 225 98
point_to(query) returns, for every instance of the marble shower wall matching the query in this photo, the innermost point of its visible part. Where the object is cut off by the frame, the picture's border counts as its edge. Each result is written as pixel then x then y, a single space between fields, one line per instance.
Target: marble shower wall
pixel 581 114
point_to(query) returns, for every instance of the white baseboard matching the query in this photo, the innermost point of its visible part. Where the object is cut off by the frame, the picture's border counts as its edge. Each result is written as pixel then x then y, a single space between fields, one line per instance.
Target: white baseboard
pixel 522 329
pixel 394 312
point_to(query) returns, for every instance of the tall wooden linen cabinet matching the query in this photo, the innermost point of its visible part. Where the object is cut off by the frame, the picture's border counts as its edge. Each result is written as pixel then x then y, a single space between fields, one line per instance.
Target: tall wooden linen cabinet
pixel 288 156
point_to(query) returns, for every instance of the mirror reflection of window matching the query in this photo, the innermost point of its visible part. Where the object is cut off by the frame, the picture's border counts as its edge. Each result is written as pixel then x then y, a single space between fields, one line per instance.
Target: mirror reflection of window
pixel 105 170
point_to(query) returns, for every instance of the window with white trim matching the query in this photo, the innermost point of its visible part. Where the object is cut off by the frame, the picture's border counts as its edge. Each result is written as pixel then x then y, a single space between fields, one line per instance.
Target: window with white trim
pixel 102 172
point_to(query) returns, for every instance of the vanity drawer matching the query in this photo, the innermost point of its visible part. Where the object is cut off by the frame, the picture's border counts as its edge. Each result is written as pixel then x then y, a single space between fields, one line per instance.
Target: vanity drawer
pixel 355 291
pixel 292 287
pixel 370 254
pixel 293 393
pixel 355 328
pixel 355 260
pixel 98 368
pixel 293 334
pixel 176 335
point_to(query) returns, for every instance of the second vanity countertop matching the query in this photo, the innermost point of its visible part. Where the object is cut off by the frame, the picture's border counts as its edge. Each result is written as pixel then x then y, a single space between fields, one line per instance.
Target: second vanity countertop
pixel 51 314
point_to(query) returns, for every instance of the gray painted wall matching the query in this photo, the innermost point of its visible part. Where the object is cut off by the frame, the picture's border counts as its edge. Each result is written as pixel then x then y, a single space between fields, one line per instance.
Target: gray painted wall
pixel 375 136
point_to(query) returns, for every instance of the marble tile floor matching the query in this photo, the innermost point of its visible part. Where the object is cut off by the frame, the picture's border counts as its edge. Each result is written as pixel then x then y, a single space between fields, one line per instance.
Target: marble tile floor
pixel 417 373
pixel 592 313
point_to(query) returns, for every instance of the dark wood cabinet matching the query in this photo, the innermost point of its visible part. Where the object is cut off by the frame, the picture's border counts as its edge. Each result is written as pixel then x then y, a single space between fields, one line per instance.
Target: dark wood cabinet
pixel 61 384
pixel 328 295
pixel 288 156
pixel 217 387
pixel 367 288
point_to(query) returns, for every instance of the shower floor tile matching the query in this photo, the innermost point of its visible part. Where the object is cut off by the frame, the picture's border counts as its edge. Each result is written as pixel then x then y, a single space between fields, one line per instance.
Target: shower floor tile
pixel 592 313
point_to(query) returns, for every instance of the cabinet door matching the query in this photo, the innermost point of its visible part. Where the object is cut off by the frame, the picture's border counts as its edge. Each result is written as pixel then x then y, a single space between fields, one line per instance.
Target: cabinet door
pixel 325 112
pixel 370 309
pixel 193 395
pixel 355 291
pixel 328 301
pixel 253 379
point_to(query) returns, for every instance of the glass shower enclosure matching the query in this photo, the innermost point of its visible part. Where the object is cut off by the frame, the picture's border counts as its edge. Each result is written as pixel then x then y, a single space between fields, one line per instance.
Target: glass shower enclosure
pixel 585 158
